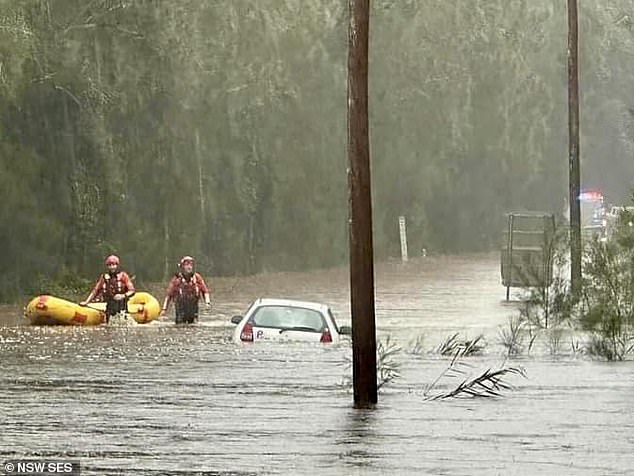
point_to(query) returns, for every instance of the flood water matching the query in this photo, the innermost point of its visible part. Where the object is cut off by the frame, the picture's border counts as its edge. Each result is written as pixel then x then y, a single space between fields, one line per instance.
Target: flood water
pixel 160 399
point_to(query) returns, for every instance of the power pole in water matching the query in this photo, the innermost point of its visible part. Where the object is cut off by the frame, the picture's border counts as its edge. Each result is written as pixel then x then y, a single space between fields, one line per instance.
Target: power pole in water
pixel 360 203
pixel 574 174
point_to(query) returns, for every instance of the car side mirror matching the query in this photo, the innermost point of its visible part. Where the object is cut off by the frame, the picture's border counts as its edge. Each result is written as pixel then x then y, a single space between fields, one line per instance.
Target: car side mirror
pixel 345 330
pixel 236 319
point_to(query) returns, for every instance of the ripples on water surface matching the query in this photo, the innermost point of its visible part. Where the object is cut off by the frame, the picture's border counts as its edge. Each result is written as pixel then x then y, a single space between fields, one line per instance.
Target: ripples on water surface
pixel 158 399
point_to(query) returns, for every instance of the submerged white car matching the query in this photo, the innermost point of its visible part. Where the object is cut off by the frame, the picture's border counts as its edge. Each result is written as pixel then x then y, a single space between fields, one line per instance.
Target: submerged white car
pixel 287 320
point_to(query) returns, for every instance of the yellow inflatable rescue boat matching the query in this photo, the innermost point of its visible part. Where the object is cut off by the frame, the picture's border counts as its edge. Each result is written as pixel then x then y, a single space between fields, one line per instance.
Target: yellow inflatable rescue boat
pixel 49 310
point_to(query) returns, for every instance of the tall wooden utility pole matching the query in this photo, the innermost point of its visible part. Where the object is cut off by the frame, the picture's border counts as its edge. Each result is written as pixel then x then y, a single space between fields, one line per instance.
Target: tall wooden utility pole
pixel 574 174
pixel 360 203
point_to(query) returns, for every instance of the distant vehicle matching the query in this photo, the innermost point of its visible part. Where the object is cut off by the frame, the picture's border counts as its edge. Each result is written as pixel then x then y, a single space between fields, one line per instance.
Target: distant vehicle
pixel 287 320
pixel 613 216
pixel 615 211
pixel 593 214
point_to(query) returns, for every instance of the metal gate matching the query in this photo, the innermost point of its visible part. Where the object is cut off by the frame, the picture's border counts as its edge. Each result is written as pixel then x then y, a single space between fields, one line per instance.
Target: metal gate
pixel 526 258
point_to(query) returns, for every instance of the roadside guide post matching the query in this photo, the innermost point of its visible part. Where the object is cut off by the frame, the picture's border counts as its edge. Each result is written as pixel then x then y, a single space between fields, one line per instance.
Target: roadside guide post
pixel 360 209
pixel 403 235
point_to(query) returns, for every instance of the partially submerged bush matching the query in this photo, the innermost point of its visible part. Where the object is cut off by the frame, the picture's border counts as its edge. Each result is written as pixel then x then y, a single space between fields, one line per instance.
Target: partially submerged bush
pixel 607 299
pixel 550 305
pixel 512 336
pixel 604 308
pixel 387 367
pixel 615 347
pixel 387 364
pixel 555 336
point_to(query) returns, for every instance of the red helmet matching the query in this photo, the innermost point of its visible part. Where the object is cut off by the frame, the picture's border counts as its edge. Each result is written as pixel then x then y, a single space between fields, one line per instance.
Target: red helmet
pixel 185 260
pixel 112 259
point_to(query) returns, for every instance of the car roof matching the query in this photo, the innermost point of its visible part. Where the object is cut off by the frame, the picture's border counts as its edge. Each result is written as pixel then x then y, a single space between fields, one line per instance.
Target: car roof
pixel 291 303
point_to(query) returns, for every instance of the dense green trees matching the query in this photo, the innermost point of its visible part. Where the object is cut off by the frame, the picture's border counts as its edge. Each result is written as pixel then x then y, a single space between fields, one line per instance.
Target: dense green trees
pixel 156 128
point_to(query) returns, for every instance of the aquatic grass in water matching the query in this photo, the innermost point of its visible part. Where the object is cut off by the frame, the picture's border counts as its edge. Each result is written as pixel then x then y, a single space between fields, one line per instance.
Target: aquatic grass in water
pixel 512 336
pixel 554 340
pixel 449 346
pixel 416 346
pixel 453 344
pixel 473 347
pixel 575 346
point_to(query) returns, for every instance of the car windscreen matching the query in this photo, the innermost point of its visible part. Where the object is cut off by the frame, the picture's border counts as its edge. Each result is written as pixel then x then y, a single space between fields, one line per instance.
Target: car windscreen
pixel 287 317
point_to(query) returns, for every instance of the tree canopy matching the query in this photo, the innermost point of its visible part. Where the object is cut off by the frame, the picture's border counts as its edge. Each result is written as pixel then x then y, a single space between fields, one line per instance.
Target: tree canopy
pixel 154 129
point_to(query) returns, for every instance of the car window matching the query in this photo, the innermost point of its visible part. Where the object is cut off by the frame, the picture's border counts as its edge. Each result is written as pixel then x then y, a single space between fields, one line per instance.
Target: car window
pixel 287 317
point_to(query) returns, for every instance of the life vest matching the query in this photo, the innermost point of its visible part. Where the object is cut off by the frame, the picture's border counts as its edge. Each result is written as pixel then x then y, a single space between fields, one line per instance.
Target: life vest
pixel 113 284
pixel 188 287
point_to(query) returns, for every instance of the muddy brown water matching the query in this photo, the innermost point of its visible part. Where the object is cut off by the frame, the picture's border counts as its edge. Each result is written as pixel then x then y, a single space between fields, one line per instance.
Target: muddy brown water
pixel 160 399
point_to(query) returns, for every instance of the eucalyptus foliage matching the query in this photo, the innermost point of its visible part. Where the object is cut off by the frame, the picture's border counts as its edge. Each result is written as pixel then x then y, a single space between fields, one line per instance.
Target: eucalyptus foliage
pixel 158 128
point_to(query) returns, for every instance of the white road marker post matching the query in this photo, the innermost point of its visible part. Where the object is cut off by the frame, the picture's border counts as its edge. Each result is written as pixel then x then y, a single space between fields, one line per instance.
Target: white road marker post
pixel 403 235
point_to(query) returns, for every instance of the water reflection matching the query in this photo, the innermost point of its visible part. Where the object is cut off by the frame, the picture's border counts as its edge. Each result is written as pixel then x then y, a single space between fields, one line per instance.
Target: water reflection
pixel 357 439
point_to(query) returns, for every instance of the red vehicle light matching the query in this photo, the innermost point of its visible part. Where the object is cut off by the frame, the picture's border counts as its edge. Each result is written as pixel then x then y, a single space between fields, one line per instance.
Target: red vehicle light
pixel 325 336
pixel 591 195
pixel 247 333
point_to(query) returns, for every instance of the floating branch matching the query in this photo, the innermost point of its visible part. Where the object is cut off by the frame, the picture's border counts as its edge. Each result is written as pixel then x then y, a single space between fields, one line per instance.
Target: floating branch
pixel 488 384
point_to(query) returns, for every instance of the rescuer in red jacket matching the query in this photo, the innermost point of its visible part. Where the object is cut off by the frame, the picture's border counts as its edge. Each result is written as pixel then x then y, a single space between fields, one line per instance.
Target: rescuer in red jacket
pixel 114 287
pixel 186 289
